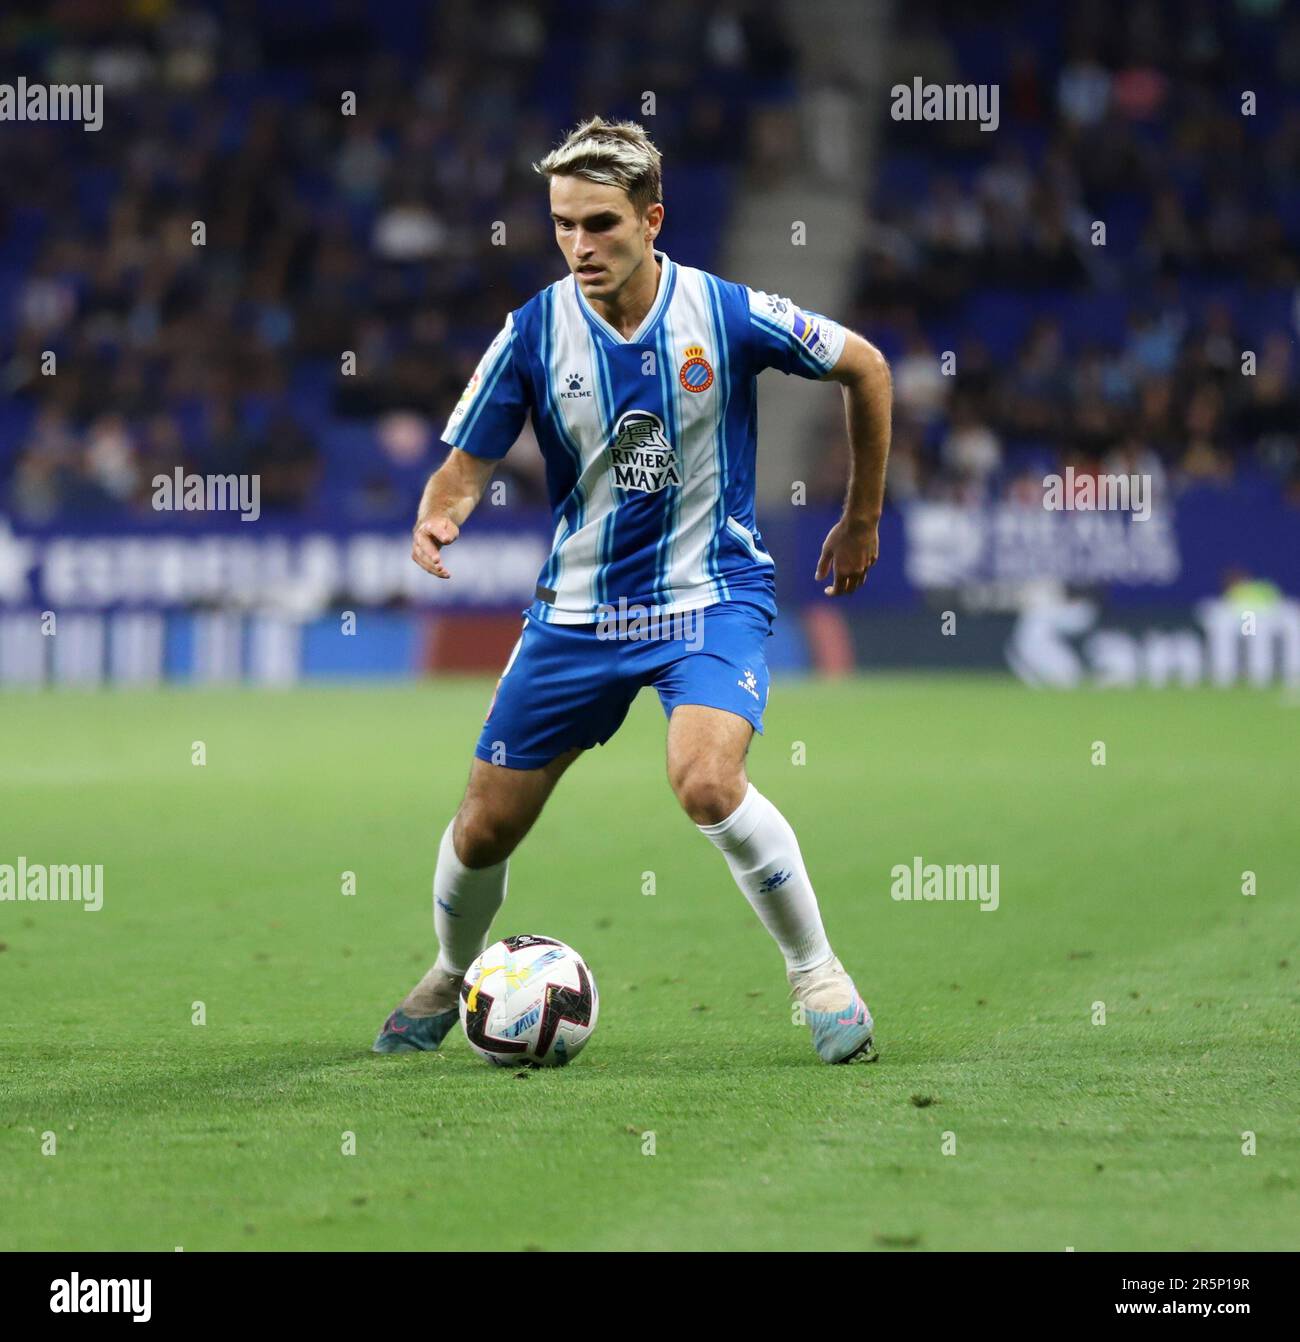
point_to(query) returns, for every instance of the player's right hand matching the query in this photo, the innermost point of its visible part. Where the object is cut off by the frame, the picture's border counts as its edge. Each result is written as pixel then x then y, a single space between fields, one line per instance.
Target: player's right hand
pixel 430 535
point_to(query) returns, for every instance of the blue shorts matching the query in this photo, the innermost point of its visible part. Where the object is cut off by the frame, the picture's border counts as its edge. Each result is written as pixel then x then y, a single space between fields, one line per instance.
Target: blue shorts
pixel 568 685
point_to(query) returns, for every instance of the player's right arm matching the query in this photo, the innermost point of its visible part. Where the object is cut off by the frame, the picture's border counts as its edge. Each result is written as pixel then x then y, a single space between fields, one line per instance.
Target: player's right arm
pixel 482 429
pixel 450 496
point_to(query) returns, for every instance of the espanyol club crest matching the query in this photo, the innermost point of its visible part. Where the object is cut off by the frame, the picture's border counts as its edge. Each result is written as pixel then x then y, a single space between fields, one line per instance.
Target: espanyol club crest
pixel 696 374
pixel 642 456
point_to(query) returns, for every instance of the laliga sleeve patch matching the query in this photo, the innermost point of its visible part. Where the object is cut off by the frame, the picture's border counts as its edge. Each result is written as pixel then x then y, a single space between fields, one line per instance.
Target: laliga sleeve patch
pixel 465 398
pixel 820 337
pixel 476 379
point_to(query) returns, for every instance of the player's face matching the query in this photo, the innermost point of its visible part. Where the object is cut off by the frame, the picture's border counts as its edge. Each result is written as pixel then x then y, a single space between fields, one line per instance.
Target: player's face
pixel 600 233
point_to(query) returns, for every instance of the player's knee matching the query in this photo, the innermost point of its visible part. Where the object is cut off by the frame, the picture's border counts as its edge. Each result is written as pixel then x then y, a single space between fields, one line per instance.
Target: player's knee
pixel 709 795
pixel 483 838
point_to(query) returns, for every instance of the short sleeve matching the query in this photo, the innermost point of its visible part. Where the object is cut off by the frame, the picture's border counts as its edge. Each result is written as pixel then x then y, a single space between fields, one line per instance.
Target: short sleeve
pixel 791 338
pixel 491 411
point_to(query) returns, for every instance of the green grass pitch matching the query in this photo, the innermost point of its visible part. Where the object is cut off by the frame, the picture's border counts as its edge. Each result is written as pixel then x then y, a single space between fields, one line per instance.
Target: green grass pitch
pixel 1120 884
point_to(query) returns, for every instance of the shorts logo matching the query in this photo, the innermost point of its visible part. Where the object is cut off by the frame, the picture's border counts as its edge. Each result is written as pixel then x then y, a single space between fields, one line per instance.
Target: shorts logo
pixel 696 374
pixel 642 456
pixel 749 684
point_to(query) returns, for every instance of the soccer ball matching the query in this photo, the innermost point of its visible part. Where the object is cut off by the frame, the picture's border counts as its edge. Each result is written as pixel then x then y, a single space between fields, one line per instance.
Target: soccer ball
pixel 528 1000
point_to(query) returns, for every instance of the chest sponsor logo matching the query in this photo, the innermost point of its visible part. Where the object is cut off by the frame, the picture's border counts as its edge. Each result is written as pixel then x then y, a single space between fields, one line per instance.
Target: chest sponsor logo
pixel 642 457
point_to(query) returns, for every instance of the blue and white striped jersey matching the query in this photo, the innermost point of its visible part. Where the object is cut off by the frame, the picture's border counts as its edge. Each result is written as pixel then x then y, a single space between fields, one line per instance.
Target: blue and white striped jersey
pixel 649 442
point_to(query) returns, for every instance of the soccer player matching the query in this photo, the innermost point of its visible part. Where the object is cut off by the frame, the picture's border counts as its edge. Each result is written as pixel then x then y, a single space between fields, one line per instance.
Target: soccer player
pixel 640 376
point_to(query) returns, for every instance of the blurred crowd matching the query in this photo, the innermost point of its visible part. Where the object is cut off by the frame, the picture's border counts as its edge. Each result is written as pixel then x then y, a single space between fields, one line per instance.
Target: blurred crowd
pixel 375 232
pixel 1023 337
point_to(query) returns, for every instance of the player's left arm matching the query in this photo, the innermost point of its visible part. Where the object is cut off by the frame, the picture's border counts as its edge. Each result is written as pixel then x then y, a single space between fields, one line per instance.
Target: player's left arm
pixel 853 544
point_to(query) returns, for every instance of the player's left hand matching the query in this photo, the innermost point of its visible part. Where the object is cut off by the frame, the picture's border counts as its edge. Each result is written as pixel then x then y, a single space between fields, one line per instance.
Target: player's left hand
pixel 851 547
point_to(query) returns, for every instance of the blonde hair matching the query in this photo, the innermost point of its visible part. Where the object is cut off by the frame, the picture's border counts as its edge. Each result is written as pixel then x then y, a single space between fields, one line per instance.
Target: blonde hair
pixel 612 153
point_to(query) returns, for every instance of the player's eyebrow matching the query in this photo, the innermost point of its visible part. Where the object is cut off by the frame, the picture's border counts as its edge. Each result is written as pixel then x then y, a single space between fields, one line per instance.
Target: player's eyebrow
pixel 603 217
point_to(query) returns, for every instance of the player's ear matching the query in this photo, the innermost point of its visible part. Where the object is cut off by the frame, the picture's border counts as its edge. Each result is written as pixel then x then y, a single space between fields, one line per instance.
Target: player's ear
pixel 654 219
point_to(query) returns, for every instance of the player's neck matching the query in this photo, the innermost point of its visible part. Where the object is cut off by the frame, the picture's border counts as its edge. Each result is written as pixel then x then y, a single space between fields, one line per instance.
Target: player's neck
pixel 627 310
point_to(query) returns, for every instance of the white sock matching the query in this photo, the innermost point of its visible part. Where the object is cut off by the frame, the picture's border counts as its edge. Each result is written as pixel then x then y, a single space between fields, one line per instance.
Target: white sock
pixel 758 843
pixel 465 900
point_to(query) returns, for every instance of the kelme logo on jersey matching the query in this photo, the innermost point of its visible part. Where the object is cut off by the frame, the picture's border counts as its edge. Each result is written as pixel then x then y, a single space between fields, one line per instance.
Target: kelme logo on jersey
pixel 573 390
pixel 642 457
pixel 696 374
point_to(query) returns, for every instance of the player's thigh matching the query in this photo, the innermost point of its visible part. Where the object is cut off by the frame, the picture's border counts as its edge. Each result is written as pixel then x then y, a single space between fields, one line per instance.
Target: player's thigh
pixel 706 746
pixel 511 799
